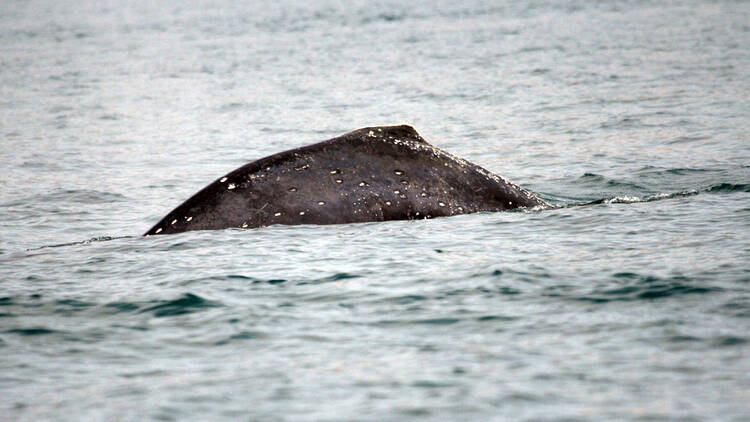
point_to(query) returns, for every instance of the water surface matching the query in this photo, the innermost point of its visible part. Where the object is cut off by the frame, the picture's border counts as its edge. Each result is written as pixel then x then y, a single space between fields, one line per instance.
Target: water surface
pixel 633 307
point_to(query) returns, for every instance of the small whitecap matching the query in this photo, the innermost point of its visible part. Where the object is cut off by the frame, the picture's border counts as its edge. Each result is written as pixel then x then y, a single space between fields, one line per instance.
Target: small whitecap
pixel 404 182
pixel 277 214
pixel 402 196
pixel 321 203
pixel 396 191
pixel 423 194
pixel 223 179
pixel 388 202
pixel 334 172
pixel 292 189
pixel 301 213
pixel 442 204
pixel 398 172
pixel 231 186
pixel 339 181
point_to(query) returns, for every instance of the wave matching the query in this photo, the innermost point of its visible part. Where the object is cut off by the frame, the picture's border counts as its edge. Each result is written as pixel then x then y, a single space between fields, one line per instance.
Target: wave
pixel 81 242
pixel 628 199
pixel 19 305
pixel 34 331
pixel 729 188
pixel 650 184
pixel 186 304
pixel 634 286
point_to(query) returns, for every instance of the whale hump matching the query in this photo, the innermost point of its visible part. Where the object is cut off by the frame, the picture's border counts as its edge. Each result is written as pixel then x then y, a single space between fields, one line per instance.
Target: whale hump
pixel 387 132
pixel 370 174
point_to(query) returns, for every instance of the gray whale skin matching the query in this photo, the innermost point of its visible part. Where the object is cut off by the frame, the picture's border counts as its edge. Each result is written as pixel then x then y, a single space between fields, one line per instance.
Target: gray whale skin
pixel 370 174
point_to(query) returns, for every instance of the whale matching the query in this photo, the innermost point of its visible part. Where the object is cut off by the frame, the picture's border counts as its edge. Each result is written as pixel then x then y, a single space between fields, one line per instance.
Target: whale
pixel 370 174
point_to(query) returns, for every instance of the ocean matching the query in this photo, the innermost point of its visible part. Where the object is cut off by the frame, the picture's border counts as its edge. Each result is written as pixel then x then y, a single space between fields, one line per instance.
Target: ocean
pixel 628 300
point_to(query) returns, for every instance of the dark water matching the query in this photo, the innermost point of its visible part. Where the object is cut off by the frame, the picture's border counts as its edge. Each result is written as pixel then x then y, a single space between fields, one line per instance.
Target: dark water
pixel 634 307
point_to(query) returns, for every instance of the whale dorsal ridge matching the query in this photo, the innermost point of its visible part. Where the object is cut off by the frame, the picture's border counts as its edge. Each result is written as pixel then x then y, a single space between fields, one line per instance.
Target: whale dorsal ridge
pixel 394 133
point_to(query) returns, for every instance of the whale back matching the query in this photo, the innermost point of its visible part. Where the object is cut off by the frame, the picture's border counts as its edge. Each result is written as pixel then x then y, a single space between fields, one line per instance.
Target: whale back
pixel 371 174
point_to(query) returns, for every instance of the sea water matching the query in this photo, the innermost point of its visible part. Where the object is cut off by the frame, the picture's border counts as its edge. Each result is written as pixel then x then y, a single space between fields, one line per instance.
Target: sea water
pixel 630 300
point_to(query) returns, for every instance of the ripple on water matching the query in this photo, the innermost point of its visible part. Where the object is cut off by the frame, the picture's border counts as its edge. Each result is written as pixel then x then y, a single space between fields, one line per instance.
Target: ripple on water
pixel 186 304
pixel 120 307
pixel 729 188
pixel 329 279
pixel 241 336
pixel 738 307
pixel 729 341
pixel 634 286
pixel 416 321
pixel 32 331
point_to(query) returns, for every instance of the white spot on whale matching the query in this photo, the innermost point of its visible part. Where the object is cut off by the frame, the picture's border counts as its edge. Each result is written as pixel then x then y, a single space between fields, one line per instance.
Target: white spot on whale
pixel 277 214
pixel 189 218
pixel 158 230
pixel 223 179
pixel 244 225
pixel 174 221
pixel 231 186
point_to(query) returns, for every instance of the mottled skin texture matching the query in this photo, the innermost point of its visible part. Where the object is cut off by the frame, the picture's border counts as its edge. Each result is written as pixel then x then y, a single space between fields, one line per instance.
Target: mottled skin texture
pixel 371 174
